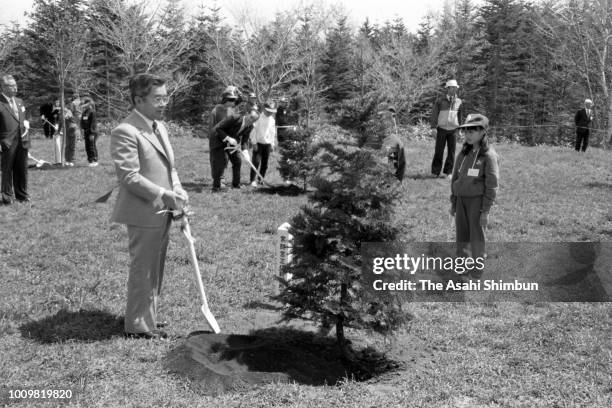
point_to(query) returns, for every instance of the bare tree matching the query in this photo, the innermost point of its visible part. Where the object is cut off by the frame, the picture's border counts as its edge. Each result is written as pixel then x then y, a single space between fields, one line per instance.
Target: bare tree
pixel 141 42
pixel 259 56
pixel 583 30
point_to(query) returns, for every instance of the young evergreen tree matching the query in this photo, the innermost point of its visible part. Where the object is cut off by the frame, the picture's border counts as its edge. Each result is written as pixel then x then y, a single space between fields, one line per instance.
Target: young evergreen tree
pixel 336 67
pixel 352 203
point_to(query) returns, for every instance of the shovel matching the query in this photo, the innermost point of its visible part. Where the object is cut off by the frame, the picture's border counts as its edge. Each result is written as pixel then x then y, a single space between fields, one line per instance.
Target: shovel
pixel 210 319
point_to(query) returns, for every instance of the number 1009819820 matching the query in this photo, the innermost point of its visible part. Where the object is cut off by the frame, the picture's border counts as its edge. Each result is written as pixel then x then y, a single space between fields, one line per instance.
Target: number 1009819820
pixel 39 394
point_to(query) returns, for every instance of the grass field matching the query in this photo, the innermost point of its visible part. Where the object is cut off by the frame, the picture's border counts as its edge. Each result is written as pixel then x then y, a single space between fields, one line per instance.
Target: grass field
pixel 63 267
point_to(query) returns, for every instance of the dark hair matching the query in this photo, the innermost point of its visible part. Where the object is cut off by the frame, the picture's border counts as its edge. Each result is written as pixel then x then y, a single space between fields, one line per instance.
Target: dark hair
pixel 89 101
pixel 484 145
pixel 141 85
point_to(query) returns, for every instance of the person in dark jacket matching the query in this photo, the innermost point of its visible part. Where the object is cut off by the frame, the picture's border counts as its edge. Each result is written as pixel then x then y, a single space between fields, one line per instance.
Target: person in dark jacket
pixel 90 131
pixel 446 116
pixel 46 116
pixel 474 185
pixel 230 99
pixel 231 132
pixel 14 143
pixel 583 119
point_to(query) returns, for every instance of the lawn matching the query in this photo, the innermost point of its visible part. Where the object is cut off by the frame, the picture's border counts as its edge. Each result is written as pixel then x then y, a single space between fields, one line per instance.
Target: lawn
pixel 63 267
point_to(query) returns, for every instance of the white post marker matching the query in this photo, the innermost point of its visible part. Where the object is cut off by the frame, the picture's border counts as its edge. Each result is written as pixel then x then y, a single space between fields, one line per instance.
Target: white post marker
pixel 284 249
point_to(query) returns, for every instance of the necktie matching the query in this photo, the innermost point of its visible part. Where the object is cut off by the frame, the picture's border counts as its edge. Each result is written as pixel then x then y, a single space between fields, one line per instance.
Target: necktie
pixel 159 137
pixel 14 107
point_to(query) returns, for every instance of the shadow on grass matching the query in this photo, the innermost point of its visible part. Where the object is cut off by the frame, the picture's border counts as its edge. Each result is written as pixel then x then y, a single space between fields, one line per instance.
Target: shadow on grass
pixel 599 184
pixel 84 325
pixel 220 363
pixel 193 187
pixel 290 190
pixel 262 305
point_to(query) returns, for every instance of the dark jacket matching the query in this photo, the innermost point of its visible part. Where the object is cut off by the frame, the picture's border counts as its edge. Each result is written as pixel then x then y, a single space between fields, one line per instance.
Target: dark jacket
pixel 582 120
pixel 12 126
pixel 88 122
pixel 485 184
pixel 217 114
pixel 231 126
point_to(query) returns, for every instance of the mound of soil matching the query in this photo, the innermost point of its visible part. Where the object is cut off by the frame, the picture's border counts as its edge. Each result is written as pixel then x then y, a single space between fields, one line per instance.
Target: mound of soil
pixel 220 363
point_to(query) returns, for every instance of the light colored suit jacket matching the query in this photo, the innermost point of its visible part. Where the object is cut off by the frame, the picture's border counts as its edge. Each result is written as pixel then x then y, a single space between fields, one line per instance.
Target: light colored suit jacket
pixel 143 168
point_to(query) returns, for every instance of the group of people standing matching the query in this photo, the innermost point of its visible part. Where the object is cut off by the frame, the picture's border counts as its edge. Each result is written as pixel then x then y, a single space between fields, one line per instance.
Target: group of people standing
pixel 236 124
pixel 79 116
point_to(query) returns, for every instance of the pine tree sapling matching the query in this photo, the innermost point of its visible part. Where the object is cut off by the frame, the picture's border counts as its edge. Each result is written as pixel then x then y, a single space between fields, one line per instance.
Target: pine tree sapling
pixel 296 155
pixel 352 204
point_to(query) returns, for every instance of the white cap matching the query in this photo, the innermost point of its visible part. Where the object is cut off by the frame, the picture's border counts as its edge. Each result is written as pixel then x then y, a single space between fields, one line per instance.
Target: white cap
pixel 588 101
pixel 451 82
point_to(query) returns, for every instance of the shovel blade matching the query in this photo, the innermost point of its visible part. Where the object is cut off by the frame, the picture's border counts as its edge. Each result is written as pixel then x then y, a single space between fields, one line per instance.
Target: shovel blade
pixel 210 319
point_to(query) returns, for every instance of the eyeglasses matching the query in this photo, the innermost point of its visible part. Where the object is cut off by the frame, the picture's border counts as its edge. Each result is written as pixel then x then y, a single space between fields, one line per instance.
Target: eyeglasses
pixel 161 100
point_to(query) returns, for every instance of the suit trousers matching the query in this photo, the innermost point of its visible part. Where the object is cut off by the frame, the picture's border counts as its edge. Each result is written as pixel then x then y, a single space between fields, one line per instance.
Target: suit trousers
pixel 444 138
pixel 470 234
pixel 582 139
pixel 218 161
pixel 90 146
pixel 147 247
pixel 261 156
pixel 14 166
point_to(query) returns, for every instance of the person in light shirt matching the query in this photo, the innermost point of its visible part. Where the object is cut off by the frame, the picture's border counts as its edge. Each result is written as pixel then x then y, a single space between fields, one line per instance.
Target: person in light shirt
pixel 263 139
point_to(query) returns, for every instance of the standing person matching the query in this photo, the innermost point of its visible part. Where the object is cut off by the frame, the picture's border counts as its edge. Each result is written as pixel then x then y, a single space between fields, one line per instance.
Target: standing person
pixel 57 138
pixel 583 119
pixel 263 139
pixel 71 136
pixel 474 186
pixel 46 117
pixel 148 182
pixel 230 98
pixel 90 131
pixel 232 131
pixel 14 144
pixel 446 116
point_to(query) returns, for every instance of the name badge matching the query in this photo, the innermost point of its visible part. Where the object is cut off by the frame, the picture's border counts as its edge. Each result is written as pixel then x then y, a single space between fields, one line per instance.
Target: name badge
pixel 473 172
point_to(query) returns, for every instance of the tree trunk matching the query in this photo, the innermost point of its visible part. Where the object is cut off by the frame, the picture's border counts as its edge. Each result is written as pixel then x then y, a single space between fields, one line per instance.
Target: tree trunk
pixel 342 343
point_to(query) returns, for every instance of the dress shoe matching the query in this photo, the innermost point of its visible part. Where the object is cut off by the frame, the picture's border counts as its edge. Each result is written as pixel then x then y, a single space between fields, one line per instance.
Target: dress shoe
pixel 161 324
pixel 155 334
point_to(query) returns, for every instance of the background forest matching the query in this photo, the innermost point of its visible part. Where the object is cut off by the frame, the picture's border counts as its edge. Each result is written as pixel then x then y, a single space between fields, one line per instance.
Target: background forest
pixel 527 65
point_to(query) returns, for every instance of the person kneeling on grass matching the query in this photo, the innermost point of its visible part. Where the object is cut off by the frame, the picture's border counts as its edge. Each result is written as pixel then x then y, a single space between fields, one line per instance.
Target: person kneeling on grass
pixel 474 185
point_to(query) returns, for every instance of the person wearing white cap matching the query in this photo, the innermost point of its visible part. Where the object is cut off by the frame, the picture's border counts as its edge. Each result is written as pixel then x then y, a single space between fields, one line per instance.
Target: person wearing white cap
pixel 446 116
pixel 583 119
pixel 263 139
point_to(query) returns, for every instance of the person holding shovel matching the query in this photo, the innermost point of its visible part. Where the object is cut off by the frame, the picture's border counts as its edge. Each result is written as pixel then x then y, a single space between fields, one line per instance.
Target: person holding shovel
pixel 474 185
pixel 148 185
pixel 231 132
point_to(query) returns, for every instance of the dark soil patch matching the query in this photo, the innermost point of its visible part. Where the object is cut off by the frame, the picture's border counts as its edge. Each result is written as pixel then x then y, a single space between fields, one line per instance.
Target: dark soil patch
pixel 218 363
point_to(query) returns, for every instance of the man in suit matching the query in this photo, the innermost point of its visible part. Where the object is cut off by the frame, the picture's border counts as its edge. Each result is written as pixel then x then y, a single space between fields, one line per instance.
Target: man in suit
pixel 583 119
pixel 14 143
pixel 232 131
pixel 148 183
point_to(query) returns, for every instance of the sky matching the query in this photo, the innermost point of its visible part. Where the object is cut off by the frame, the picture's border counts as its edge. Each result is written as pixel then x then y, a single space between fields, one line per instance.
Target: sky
pixel 411 11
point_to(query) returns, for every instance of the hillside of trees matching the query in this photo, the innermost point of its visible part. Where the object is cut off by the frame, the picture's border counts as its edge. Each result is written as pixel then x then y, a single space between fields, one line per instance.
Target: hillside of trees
pixel 527 65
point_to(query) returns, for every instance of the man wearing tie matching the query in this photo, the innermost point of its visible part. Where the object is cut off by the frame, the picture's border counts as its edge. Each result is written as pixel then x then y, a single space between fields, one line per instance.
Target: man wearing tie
pixel 148 183
pixel 583 120
pixel 14 143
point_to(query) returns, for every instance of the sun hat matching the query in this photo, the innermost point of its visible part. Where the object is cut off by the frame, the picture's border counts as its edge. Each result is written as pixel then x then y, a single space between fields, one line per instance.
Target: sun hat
pixel 451 82
pixel 476 120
